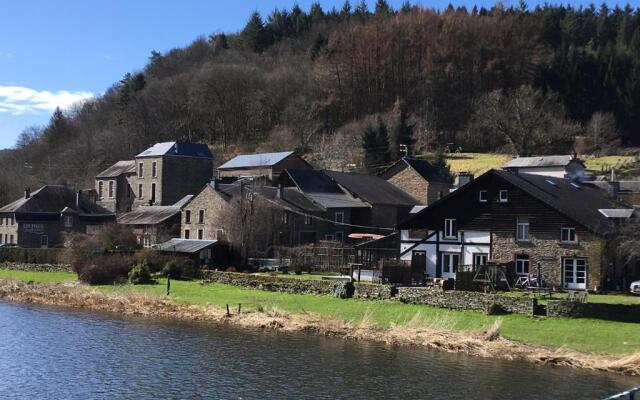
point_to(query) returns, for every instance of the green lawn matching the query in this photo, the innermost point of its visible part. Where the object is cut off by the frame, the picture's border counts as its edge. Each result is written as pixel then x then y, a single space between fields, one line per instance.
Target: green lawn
pixel 621 298
pixel 578 334
pixel 45 277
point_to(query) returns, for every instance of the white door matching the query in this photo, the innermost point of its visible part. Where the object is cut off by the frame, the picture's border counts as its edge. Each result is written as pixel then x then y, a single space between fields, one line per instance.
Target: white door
pixel 575 273
pixel 450 263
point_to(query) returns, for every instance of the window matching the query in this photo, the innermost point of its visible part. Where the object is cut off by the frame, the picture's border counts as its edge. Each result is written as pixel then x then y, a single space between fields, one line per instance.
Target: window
pixel 307 219
pixel 522 264
pixel 450 262
pixel 1 221
pixel 153 193
pixel 13 219
pixel 201 216
pixel 187 216
pixel 329 237
pixel 154 169
pixel 111 189
pixel 568 234
pixel 504 196
pixel 140 170
pixel 186 233
pixel 140 192
pixel 450 228
pixel 200 234
pixel 339 217
pixel 480 259
pixel 100 189
pixel 285 218
pixel 68 221
pixel 522 230
pixel 44 240
pixel 483 196
pixel 339 237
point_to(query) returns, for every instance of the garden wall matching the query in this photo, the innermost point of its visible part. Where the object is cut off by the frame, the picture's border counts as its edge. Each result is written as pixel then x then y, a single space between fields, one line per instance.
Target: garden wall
pixel 269 283
pixel 612 312
pixel 31 256
pixel 460 300
pixel 36 267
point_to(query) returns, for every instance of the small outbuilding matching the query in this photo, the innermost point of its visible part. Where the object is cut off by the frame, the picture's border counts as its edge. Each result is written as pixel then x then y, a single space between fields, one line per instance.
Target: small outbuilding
pixel 210 253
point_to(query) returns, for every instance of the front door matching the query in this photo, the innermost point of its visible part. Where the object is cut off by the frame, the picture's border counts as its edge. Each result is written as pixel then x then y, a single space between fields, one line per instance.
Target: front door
pixel 575 273
pixel 450 263
pixel 418 264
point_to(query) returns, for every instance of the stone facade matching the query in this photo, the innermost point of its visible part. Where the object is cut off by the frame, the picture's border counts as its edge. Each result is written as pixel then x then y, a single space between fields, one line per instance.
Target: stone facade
pixel 613 312
pixel 412 183
pixel 372 291
pixel 118 200
pixel 212 205
pixel 8 229
pixel 460 300
pixel 547 251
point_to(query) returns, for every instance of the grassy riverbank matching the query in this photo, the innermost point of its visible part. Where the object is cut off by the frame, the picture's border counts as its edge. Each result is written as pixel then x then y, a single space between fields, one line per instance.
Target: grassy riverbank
pixel 584 335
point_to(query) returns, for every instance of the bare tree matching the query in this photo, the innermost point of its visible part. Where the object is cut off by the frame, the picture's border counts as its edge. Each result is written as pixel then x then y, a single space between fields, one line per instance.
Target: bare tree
pixel 602 132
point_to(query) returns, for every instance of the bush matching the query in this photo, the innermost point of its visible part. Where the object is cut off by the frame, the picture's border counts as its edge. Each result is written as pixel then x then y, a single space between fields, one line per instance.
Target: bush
pixel 104 269
pixel 153 258
pixel 32 256
pixel 179 269
pixel 140 274
pixel 343 290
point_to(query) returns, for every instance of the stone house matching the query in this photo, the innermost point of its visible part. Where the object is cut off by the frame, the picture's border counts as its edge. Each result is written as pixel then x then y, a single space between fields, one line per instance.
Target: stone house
pixel 43 217
pixel 268 165
pixel 422 180
pixel 563 229
pixel 557 166
pixel 159 176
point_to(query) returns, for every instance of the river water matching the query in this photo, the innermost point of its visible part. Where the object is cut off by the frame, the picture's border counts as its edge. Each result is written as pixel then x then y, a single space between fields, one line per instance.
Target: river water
pixel 53 353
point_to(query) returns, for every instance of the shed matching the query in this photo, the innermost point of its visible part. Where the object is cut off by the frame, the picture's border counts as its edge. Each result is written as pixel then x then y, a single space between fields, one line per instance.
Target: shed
pixel 204 252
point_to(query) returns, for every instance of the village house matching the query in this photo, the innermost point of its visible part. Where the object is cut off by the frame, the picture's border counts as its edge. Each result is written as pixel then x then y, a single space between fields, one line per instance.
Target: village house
pixel 267 165
pixel 43 217
pixel 557 166
pixel 155 177
pixel 153 225
pixel 562 229
pixel 422 180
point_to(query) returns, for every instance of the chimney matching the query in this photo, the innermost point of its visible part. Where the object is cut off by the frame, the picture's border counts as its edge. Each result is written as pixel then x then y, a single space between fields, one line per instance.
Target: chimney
pixel 215 185
pixel 27 193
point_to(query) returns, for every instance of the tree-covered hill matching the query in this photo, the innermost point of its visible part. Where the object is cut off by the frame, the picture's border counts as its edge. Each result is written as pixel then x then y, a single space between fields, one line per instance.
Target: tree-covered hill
pixel 501 79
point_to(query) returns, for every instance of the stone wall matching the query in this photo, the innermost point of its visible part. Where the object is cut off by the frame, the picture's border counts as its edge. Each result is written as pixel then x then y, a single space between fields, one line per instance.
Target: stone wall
pixel 270 283
pixel 547 250
pixel 372 291
pixel 613 312
pixel 36 267
pixel 459 300
pixel 214 206
pixel 410 182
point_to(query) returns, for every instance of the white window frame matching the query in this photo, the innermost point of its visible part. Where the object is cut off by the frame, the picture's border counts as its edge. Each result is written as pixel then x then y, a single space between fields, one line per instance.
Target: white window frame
pixel 339 220
pixel 480 255
pixel 450 231
pixel 68 221
pixel 307 219
pixel 519 262
pixel 100 189
pixel 567 228
pixel 521 222
pixel 503 196
pixel 573 262
pixel 483 196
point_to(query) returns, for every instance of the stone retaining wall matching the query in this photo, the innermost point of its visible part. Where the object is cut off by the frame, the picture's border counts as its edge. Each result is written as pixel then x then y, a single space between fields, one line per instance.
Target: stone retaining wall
pixel 270 283
pixel 612 312
pixel 36 267
pixel 372 291
pixel 459 300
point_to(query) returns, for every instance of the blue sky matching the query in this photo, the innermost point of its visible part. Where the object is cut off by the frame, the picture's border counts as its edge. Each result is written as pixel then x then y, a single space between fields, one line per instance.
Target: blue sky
pixel 55 53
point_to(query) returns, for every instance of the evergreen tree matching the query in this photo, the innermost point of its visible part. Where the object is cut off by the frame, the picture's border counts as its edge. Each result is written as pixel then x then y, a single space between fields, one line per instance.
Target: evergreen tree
pixel 370 147
pixel 345 11
pixel 384 151
pixel 383 8
pixel 316 14
pixel 440 158
pixel 254 36
pixel 402 131
pixel 319 44
pixel 361 12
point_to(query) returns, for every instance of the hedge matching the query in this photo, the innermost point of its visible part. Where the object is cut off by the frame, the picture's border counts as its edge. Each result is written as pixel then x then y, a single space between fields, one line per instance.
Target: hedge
pixel 31 256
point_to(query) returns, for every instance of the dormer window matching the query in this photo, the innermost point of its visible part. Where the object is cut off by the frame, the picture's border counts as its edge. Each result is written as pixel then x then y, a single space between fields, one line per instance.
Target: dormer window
pixel 503 196
pixel 483 196
pixel 450 230
pixel 568 234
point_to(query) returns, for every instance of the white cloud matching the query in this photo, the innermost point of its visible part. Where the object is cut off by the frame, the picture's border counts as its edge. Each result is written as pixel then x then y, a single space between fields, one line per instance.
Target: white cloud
pixel 18 100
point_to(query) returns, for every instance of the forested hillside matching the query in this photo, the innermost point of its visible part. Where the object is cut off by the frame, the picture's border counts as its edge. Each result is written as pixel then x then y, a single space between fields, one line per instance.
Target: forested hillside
pixel 502 79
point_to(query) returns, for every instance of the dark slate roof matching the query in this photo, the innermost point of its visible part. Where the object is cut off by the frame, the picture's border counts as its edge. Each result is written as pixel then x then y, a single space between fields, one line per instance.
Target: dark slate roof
pixel 181 149
pixel 322 189
pixel 540 162
pixel 54 199
pixel 186 246
pixel 148 215
pixel 372 189
pixel 256 160
pixel 426 170
pixel 119 168
pixel 291 196
pixel 580 202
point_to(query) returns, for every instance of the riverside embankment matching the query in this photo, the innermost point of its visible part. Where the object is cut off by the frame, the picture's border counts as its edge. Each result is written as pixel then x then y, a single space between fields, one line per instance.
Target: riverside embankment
pixel 503 337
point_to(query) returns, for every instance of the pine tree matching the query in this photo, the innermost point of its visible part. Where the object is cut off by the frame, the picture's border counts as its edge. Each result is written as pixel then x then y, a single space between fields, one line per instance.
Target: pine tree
pixel 440 158
pixel 383 8
pixel 254 35
pixel 384 151
pixel 369 146
pixel 402 131
pixel 319 44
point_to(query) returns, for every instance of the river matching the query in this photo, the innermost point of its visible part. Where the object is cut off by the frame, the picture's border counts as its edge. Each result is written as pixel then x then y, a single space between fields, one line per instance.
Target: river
pixel 58 353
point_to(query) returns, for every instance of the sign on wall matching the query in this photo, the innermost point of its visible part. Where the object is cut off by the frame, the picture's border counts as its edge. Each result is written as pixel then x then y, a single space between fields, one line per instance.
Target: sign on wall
pixel 33 228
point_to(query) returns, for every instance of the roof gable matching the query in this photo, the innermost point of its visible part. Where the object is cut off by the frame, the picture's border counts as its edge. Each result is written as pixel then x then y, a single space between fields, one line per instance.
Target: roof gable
pixel 423 168
pixel 372 189
pixel 54 199
pixel 119 168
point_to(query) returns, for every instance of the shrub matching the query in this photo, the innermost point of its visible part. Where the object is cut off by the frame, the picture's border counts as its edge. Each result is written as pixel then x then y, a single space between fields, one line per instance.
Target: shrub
pixel 104 269
pixel 140 274
pixel 343 290
pixel 179 269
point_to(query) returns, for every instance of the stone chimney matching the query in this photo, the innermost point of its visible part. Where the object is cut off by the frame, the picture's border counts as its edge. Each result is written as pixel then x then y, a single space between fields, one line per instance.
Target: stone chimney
pixel 27 193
